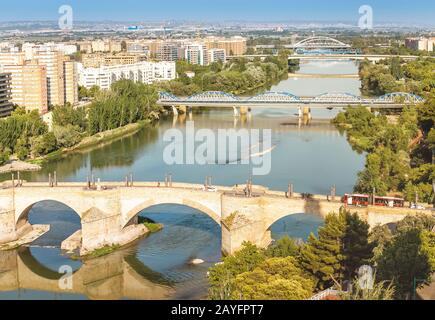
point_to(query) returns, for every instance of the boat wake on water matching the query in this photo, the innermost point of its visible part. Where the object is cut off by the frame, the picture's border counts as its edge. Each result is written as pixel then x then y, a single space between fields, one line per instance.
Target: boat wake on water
pixel 253 152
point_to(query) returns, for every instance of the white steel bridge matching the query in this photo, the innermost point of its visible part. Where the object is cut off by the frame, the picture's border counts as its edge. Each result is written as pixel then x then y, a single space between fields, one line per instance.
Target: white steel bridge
pixel 286 99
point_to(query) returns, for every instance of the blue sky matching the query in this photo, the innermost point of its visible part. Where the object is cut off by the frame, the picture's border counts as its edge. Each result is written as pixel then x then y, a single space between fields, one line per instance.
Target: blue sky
pixel 406 11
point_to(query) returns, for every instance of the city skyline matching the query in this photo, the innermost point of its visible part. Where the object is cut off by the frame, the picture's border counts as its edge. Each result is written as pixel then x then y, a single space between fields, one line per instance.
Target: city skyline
pixel 386 11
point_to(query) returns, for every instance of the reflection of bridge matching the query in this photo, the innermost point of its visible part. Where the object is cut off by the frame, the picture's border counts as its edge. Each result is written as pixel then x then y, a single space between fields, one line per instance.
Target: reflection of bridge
pixel 109 211
pixel 285 100
pixel 113 276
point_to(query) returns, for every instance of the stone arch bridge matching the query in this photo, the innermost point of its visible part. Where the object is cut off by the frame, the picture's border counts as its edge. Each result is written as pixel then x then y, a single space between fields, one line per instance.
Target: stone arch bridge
pixel 109 211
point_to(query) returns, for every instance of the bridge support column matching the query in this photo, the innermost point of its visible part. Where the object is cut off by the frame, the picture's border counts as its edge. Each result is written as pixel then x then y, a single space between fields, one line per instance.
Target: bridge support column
pixel 174 111
pixel 244 110
pixel 182 109
pixel 235 111
pixel 100 229
pixel 243 226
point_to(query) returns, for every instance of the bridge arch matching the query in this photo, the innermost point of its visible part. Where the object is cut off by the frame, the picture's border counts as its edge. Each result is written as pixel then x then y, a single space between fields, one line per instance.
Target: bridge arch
pixel 22 213
pixel 213 96
pixel 163 95
pixel 337 97
pixel 133 213
pixel 392 97
pixel 315 42
pixel 271 96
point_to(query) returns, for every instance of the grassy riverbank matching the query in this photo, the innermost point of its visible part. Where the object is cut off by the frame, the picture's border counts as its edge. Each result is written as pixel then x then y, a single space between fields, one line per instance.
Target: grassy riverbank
pixel 151 225
pixel 98 139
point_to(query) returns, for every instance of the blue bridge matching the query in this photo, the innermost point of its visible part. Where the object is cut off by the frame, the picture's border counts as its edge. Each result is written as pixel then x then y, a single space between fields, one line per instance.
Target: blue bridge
pixel 286 99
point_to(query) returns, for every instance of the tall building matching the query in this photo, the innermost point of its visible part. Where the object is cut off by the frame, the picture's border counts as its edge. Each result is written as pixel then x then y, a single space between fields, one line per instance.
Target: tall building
pixel 5 95
pixel 71 82
pixel 423 44
pixel 29 85
pixel 7 58
pixel 196 54
pixel 143 72
pixel 168 52
pixel 53 60
pixel 96 60
pixel 235 46
pixel 215 55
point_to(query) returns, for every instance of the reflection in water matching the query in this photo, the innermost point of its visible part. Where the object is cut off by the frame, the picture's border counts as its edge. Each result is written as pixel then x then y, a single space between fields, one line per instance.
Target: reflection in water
pixel 298 226
pixel 114 276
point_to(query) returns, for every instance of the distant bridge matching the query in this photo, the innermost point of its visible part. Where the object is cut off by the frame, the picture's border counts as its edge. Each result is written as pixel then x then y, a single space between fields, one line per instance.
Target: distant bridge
pixel 286 99
pixel 335 56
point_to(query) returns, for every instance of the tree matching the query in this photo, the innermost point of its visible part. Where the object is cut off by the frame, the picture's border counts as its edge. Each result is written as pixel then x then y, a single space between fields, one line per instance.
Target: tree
pixel 66 136
pixel 340 248
pixel 221 276
pixel 275 278
pixel 379 237
pixel 322 256
pixel 21 148
pixel 4 156
pixel 356 247
pixel 408 257
pixel 284 247
pixel 43 145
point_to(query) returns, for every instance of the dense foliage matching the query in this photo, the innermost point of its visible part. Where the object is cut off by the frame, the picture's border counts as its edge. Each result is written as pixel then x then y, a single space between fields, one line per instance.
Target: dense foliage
pixel 237 76
pixel 295 271
pixel 23 133
pixel 406 255
pixel 394 75
pixel 400 150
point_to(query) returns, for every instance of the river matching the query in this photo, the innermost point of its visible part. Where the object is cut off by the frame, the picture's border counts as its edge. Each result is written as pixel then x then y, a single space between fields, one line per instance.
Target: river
pixel 313 157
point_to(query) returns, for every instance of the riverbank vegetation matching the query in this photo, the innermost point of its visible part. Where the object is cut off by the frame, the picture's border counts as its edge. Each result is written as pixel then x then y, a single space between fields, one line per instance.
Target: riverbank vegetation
pixel 151 225
pixel 290 270
pixel 237 76
pixel 26 136
pixel 395 75
pixel 400 154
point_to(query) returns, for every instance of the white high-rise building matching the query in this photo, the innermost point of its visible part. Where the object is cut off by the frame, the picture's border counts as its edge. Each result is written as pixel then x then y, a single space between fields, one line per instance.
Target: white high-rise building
pixel 143 72
pixel 196 53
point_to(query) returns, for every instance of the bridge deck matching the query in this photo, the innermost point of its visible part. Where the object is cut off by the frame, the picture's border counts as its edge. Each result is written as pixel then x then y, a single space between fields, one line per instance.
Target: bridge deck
pixel 230 191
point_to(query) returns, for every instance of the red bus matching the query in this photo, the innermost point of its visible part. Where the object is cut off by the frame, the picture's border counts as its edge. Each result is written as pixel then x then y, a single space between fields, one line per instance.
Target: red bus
pixel 359 200
pixel 391 202
pixel 363 200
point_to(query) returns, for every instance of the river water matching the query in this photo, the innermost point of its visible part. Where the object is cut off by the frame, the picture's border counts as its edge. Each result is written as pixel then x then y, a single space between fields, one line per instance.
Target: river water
pixel 312 156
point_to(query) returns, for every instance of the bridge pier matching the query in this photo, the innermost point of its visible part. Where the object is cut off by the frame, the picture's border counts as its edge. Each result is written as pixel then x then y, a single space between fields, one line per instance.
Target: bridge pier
pixel 174 111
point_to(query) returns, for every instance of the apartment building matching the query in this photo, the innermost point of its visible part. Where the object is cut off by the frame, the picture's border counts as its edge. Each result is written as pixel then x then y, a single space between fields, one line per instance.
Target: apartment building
pixel 234 46
pixel 215 55
pixel 53 60
pixel 96 60
pixel 169 52
pixel 143 72
pixel 71 82
pixel 196 53
pixel 423 44
pixel 41 76
pixel 5 95
pixel 28 84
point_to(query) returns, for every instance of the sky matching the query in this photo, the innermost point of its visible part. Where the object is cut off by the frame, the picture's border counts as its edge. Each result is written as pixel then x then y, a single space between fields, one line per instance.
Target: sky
pixel 404 11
